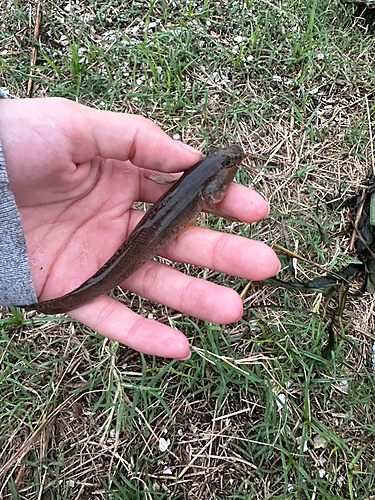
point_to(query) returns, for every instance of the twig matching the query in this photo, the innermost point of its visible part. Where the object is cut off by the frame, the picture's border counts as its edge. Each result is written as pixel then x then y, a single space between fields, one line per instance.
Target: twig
pixel 355 234
pixel 30 441
pixel 370 135
pixel 18 481
pixel 244 291
pixel 34 50
pixel 357 219
pixel 296 256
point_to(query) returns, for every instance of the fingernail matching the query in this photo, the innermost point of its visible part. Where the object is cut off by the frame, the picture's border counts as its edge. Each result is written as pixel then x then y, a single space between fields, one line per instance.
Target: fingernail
pixel 279 268
pixel 187 357
pixel 188 148
pixel 269 208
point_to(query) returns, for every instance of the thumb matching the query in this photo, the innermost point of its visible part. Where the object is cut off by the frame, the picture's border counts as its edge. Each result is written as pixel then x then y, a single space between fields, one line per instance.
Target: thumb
pixel 132 137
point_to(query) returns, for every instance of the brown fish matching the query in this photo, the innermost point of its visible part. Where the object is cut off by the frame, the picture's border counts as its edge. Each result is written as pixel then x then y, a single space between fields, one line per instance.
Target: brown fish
pixel 201 187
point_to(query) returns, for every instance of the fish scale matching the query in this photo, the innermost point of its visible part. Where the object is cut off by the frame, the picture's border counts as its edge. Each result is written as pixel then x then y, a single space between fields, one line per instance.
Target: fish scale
pixel 173 213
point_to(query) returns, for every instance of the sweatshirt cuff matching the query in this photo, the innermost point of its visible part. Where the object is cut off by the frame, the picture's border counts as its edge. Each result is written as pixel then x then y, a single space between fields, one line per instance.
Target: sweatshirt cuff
pixel 16 286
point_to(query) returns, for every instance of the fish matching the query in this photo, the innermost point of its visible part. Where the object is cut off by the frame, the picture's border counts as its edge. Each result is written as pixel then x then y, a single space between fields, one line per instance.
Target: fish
pixel 200 188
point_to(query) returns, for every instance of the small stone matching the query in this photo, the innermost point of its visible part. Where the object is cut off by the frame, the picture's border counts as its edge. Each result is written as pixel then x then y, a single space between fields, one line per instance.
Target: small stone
pixel 193 428
pixel 344 386
pixel 305 446
pixel 280 400
pixel 319 442
pixel 164 444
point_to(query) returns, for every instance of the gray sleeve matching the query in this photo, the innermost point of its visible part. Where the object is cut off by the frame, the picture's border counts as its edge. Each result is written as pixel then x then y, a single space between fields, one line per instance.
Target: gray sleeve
pixel 16 286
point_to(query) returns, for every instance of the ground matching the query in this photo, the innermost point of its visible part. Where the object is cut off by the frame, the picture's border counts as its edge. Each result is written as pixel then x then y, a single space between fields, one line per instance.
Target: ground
pixel 281 403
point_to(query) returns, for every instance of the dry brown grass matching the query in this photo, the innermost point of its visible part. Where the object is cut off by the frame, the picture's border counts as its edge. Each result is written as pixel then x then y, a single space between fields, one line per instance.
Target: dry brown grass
pixel 257 412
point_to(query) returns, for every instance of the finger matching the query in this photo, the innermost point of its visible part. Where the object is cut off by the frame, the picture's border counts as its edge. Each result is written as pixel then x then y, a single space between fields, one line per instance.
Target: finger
pixel 115 321
pixel 199 298
pixel 131 137
pixel 240 202
pixel 226 253
pixel 60 131
pixel 244 204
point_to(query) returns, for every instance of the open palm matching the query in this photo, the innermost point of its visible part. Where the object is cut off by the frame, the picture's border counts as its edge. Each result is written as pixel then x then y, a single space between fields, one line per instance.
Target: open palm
pixel 75 175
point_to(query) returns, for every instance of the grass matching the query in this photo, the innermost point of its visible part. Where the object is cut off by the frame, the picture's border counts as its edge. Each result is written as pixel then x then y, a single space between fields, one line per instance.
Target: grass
pixel 267 407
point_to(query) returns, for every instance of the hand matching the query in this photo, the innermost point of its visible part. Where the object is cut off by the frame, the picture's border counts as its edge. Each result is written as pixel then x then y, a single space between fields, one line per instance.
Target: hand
pixel 73 171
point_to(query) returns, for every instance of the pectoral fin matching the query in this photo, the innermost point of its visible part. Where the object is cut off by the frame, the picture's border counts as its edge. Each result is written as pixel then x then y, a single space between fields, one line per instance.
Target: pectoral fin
pixel 212 209
pixel 160 177
pixel 190 225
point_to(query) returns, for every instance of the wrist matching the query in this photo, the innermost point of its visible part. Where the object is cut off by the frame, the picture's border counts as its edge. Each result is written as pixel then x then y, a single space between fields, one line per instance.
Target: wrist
pixel 16 286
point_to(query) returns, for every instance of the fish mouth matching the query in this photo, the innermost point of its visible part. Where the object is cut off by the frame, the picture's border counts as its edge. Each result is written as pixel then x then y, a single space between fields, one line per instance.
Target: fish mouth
pixel 234 154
